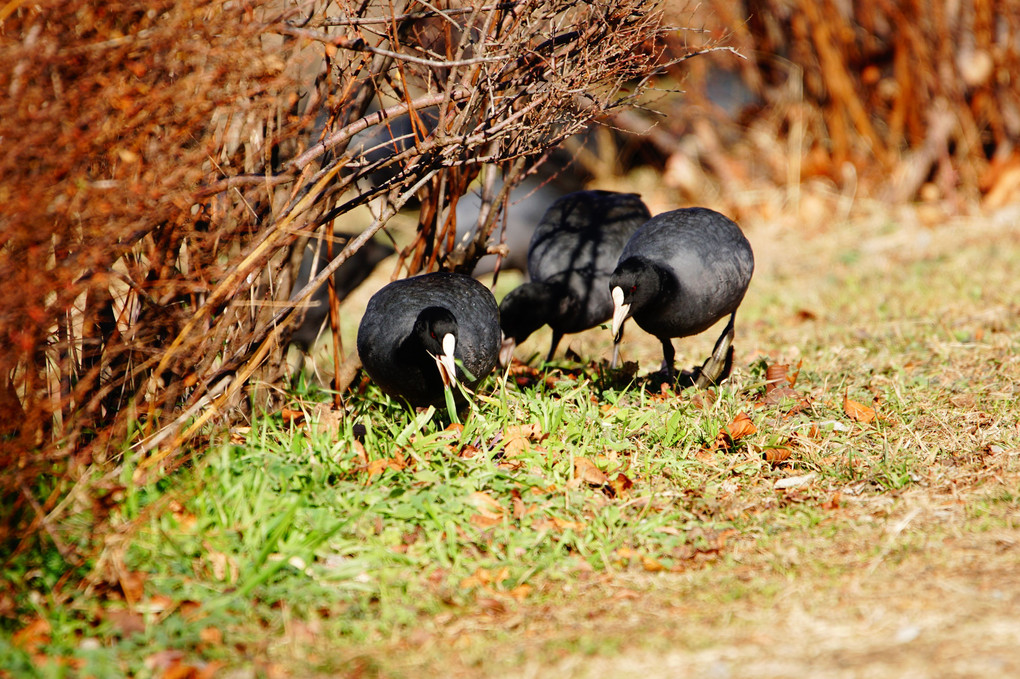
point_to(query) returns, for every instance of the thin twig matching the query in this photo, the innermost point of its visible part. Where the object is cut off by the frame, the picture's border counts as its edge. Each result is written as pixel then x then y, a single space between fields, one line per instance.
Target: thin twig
pixel 414 16
pixel 359 45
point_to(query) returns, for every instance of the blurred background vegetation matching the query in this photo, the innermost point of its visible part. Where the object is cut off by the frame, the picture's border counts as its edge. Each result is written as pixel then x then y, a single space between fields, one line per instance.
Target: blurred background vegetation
pixel 165 165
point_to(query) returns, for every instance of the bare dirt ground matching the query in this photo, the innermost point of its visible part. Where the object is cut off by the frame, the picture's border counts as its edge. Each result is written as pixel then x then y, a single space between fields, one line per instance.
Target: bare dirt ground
pixel 944 606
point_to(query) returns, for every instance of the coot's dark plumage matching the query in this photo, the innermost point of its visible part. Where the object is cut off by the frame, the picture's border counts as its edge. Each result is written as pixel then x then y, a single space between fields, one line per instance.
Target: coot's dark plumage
pixel 414 328
pixel 572 254
pixel 678 275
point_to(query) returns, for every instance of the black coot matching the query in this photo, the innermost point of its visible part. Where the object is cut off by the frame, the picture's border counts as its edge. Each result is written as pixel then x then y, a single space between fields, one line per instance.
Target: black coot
pixel 679 274
pixel 570 259
pixel 414 328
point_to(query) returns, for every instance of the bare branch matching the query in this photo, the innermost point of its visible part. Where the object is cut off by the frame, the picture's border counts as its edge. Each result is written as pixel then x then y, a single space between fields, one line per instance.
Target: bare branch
pixel 359 45
pixel 414 16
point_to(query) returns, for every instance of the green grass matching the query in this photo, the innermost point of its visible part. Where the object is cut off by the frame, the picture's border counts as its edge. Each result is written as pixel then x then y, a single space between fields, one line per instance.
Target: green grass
pixel 285 522
pixel 306 550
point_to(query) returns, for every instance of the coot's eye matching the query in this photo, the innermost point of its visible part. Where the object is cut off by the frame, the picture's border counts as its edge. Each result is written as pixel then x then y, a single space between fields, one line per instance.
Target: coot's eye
pixel 433 333
pixel 633 289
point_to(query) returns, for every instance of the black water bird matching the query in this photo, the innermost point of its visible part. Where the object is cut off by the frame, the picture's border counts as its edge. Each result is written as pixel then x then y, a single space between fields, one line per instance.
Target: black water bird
pixel 571 256
pixel 678 275
pixel 415 328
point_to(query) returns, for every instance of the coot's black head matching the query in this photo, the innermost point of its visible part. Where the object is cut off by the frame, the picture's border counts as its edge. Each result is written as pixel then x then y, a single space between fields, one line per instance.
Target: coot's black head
pixel 523 311
pixel 435 330
pixel 634 284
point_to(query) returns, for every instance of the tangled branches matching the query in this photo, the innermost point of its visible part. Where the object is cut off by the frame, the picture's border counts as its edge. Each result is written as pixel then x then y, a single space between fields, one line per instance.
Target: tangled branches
pixel 169 159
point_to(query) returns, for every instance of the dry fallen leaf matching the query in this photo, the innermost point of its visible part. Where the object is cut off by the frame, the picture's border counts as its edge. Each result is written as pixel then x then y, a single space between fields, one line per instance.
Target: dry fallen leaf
pixel 182 516
pixel 132 583
pixel 128 623
pixel 189 671
pixel 586 471
pixel 33 636
pixel 776 395
pixel 775 374
pixel 621 484
pixel 382 464
pixel 556 524
pixel 740 427
pixel 517 438
pixel 520 509
pixel 359 452
pixel 490 512
pixel 703 400
pixel 775 456
pixel 239 435
pixel 622 594
pixel 162 660
pixel 857 412
pixel 211 635
pixel 291 416
pixel 804 315
pixel 159 603
pixel 792 377
pixel 326 419
pixel 651 564
pixel 479 578
pixel 491 605
pixel 224 566
pixel 485 504
pixel 483 577
pixel 833 502
pixel 515 447
pixel 722 536
pixel 520 592
pixel 779 384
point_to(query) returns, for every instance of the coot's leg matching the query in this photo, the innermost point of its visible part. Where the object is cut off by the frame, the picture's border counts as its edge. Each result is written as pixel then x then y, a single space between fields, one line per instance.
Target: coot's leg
pixel 557 336
pixel 668 354
pixel 717 367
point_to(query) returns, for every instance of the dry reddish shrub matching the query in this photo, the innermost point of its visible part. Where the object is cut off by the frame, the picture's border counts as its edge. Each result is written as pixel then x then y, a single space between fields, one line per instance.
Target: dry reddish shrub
pixel 109 123
pixel 160 163
pixel 891 100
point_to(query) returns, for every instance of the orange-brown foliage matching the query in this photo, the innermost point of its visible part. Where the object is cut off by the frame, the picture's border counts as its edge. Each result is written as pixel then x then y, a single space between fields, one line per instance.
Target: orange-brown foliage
pixel 109 121
pixel 898 101
pixel 160 161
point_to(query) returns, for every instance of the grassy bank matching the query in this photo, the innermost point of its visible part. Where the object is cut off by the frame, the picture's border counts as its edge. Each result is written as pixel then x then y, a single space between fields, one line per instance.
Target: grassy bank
pixel 857 508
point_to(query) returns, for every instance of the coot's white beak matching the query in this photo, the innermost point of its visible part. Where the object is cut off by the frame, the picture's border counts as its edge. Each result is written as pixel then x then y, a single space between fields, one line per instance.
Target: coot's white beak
pixel 506 351
pixel 445 362
pixel 620 313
